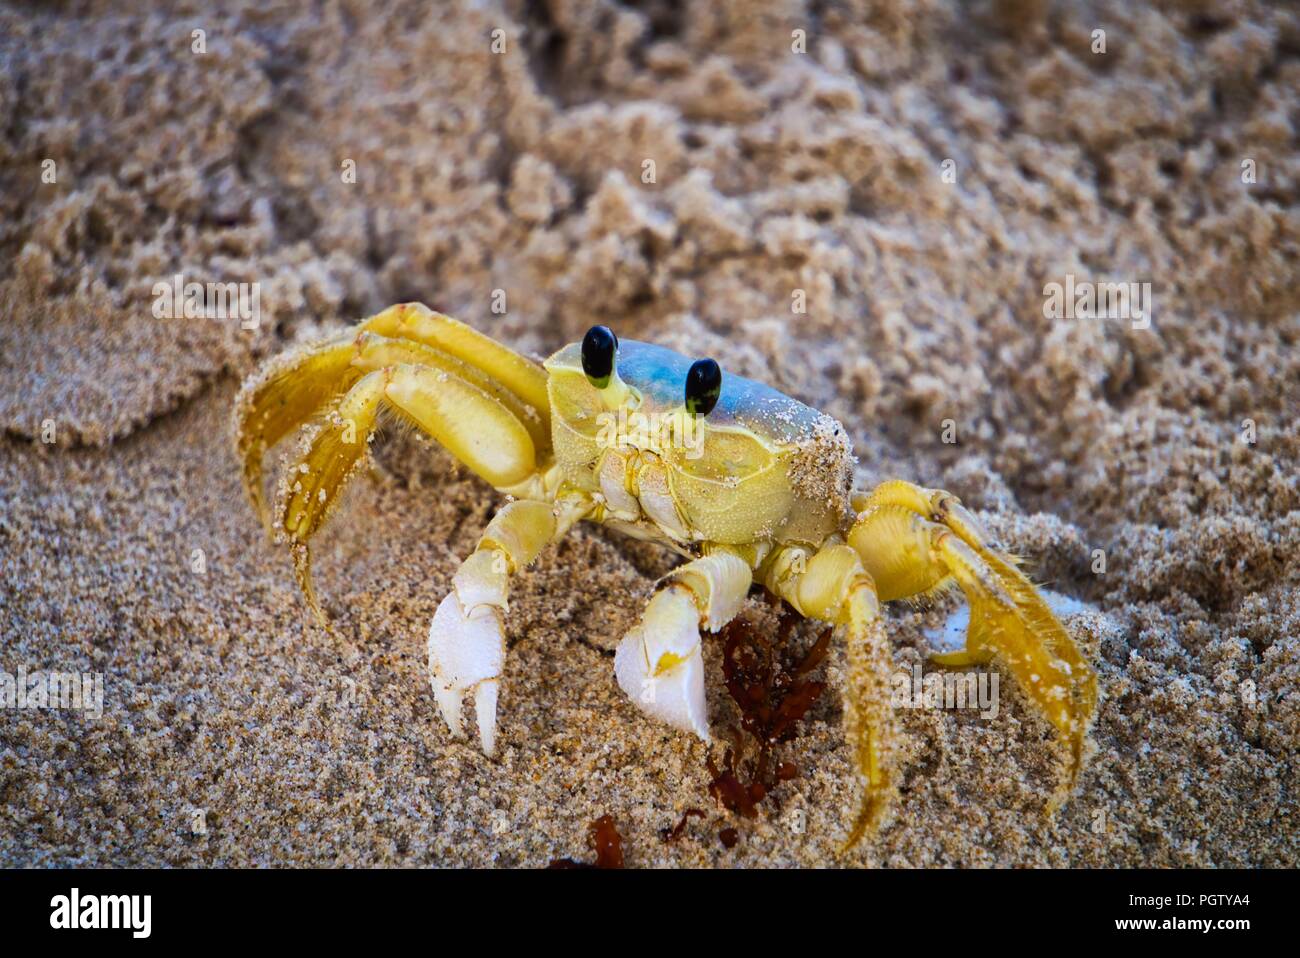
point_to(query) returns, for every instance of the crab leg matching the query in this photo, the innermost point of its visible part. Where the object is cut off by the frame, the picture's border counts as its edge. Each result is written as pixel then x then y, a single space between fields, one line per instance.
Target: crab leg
pixel 298 386
pixel 832 585
pixel 374 351
pixel 914 540
pixel 484 403
pixel 472 425
pixel 659 663
pixel 285 394
pixel 414 321
pixel 466 636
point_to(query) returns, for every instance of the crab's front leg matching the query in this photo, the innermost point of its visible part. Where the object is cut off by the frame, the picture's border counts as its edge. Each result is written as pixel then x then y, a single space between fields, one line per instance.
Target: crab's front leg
pixel 659 663
pixel 914 540
pixel 467 637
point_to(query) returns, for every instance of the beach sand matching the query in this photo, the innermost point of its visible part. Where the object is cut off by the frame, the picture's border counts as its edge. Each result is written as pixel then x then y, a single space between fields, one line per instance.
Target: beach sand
pixel 680 175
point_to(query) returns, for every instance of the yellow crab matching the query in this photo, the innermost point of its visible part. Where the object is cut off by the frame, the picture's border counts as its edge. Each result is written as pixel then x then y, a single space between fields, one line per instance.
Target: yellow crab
pixel 750 485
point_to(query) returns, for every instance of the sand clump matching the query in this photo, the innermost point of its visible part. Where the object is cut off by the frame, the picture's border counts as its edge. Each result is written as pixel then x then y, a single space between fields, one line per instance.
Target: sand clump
pixel 236 732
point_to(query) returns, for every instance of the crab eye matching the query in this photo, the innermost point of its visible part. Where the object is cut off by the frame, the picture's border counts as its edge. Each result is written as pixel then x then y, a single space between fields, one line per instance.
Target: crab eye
pixel 598 349
pixel 703 386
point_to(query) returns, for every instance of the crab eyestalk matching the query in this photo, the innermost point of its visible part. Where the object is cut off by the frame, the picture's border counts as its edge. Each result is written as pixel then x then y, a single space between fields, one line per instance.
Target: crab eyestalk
pixel 600 364
pixel 703 387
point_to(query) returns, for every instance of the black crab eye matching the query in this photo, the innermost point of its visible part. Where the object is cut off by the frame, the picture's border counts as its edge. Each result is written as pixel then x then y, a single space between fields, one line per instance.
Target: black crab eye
pixel 703 386
pixel 598 349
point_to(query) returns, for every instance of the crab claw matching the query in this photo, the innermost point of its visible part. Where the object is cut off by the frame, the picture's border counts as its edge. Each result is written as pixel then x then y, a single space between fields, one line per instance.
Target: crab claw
pixel 659 663
pixel 466 653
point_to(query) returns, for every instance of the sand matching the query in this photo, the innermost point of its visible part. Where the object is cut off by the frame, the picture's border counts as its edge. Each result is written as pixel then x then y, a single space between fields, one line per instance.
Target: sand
pixel 510 189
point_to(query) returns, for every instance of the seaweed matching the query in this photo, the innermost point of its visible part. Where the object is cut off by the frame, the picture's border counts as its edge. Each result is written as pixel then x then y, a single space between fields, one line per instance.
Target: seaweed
pixel 774 689
pixel 773 693
pixel 670 835
pixel 608 844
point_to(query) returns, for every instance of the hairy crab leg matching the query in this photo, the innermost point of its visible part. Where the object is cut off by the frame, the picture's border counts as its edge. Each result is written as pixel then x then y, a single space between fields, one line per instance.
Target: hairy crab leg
pixel 914 540
pixel 283 395
pixel 472 425
pixel 832 585
pixel 298 386
pixel 659 663
pixel 484 403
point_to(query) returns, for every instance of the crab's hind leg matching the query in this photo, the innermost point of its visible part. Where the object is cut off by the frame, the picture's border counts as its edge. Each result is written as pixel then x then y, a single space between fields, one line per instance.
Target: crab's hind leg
pixel 832 585
pixel 914 540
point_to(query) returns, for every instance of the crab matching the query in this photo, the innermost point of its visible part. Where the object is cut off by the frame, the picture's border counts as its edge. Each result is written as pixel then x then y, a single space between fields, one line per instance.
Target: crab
pixel 750 486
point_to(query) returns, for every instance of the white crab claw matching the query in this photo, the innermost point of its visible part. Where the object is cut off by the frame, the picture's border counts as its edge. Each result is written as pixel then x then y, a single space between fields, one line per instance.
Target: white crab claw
pixel 659 663
pixel 466 653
